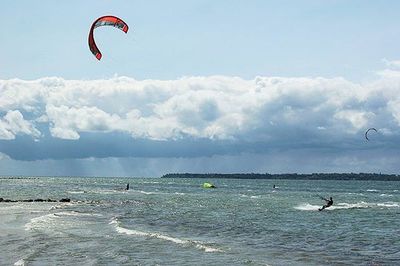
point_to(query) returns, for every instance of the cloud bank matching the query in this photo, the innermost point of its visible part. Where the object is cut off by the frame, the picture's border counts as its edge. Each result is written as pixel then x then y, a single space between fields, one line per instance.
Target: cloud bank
pixel 54 118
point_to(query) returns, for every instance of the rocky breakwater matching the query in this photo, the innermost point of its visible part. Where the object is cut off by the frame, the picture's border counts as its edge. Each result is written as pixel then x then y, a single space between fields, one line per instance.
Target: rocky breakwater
pixel 36 200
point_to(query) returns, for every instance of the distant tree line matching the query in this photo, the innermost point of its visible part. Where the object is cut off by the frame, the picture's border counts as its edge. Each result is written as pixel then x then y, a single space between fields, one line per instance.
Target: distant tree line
pixel 313 176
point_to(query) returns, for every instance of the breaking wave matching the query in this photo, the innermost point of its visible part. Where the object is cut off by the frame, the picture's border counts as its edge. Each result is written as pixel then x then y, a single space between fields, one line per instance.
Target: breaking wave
pixel 175 240
pixel 52 219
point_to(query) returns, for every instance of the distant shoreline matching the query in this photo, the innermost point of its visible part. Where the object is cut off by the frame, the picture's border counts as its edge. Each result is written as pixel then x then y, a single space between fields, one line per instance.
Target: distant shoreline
pixel 314 176
pixel 287 176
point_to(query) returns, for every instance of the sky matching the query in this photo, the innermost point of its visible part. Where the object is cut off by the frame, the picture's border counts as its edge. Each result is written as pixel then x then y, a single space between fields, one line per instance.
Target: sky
pixel 199 86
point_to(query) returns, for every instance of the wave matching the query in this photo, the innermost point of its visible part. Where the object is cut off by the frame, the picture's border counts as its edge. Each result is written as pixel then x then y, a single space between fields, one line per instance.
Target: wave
pixel 47 220
pixel 341 206
pixel 11 207
pixel 55 207
pixel 77 192
pixel 307 207
pixel 147 192
pixel 40 222
pixel 108 191
pixel 250 196
pixel 354 193
pixel 21 262
pixel 175 240
pixel 372 190
pixel 27 206
pixel 385 195
pixel 388 204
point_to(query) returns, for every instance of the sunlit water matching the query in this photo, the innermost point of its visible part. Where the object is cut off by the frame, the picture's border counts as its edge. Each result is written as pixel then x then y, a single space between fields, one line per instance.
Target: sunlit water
pixel 177 222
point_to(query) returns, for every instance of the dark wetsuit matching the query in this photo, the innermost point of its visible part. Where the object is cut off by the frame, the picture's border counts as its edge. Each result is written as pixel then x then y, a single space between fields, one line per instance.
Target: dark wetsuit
pixel 127 186
pixel 328 204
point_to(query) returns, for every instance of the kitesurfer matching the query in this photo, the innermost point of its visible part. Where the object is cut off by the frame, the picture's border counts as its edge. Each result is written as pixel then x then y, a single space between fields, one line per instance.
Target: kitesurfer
pixel 127 186
pixel 328 203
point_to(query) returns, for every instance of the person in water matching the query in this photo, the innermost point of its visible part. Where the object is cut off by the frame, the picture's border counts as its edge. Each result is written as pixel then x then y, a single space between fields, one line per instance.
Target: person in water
pixel 328 203
pixel 127 186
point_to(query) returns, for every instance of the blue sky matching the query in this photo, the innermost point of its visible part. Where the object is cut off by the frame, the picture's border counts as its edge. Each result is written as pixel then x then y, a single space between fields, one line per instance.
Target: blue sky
pixel 199 86
pixel 171 39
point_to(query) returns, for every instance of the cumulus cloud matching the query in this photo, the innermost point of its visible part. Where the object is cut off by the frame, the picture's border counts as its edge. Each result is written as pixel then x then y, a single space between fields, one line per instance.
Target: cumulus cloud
pixel 13 123
pixel 391 63
pixel 275 111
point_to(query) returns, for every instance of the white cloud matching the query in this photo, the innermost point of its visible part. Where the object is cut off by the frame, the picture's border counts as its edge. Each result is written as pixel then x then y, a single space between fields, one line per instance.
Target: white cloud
pixel 357 119
pixel 66 121
pixel 13 123
pixel 4 157
pixel 215 107
pixel 391 63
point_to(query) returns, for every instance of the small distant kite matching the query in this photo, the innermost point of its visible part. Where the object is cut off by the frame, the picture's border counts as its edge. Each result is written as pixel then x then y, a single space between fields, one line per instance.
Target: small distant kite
pixel 369 129
pixel 104 21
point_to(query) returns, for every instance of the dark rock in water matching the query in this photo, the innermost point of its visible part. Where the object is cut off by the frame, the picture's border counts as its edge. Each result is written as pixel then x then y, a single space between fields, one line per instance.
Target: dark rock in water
pixel 8 200
pixel 35 200
pixel 65 200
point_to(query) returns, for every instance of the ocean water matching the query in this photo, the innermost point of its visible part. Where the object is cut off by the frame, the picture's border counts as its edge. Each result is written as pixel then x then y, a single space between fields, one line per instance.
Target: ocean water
pixel 177 222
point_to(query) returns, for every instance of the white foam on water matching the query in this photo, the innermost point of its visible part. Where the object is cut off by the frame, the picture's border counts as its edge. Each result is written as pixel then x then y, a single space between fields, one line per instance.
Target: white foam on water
pixel 250 196
pixel 40 222
pixel 372 190
pixel 388 204
pixel 61 205
pixel 77 192
pixel 25 206
pixel 107 191
pixel 179 193
pixel 307 207
pixel 46 221
pixel 344 205
pixel 75 213
pixel 175 240
pixel 147 192
pixel 21 262
pixel 5 207
pixel 386 195
pixel 353 193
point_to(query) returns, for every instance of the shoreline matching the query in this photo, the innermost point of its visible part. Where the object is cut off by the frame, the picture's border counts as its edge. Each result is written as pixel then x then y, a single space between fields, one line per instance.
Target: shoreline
pixel 291 176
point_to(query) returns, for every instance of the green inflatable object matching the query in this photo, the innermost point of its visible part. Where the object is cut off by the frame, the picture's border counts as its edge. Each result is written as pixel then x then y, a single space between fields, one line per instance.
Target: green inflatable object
pixel 208 185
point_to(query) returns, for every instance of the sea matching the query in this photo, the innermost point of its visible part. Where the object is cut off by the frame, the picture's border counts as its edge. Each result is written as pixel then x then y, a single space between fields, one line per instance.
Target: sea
pixel 163 221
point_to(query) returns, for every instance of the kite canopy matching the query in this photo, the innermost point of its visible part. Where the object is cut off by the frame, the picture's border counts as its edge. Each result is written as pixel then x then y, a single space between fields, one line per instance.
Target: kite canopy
pixel 366 132
pixel 104 21
pixel 208 185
